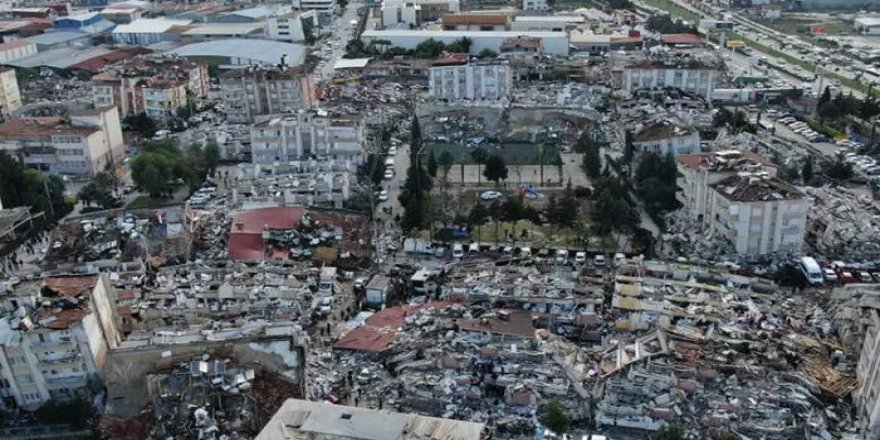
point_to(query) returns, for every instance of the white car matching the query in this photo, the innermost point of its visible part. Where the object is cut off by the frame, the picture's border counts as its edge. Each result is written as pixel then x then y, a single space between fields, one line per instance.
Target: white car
pixel 383 196
pixel 491 195
pixel 389 174
pixel 580 257
pixel 561 256
pixel 457 250
pixel 392 151
pixel 599 260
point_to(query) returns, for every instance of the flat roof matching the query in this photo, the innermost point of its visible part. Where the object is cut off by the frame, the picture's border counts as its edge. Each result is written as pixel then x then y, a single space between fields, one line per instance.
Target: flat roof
pixel 255 12
pixel 224 29
pixel 351 63
pixel 459 34
pixel 149 25
pixel 867 21
pixel 296 417
pixel 56 37
pixel 61 57
pixel 263 51
pixel 540 18
pixel 79 17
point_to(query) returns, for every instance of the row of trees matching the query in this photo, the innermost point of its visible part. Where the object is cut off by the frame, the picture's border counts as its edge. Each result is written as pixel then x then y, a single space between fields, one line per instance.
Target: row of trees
pixel 833 108
pixel 655 184
pixel 427 49
pixel 665 24
pixel 157 168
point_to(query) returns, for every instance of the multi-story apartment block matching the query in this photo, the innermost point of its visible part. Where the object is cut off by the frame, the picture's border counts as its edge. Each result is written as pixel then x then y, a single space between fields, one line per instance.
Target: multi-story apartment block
pixel 265 90
pixel 664 138
pixel 10 97
pixel 535 5
pixel 688 72
pixel 307 135
pixel 54 338
pixel 85 142
pixel 157 85
pixel 455 77
pixel 737 196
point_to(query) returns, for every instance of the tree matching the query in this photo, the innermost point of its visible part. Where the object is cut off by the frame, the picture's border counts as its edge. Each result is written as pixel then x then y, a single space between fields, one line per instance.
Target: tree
pixel 479 156
pixel 415 194
pixel 807 171
pixel 76 412
pixel 824 98
pixel 342 4
pixel 141 124
pixel 656 183
pixel 670 432
pixel 93 192
pixel 555 417
pixel 432 165
pixel 592 163
pixel 496 169
pixel 611 210
pixel 665 24
pixel 429 48
pixel 829 112
pixel 155 168
pixel 212 157
pixel 372 169
pixel 43 192
pixel 12 191
pixel 839 170
pixel 446 161
pixel 461 45
pixel 487 53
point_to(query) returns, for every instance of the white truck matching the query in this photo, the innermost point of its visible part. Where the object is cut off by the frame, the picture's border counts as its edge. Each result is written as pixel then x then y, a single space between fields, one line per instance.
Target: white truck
pixel 418 246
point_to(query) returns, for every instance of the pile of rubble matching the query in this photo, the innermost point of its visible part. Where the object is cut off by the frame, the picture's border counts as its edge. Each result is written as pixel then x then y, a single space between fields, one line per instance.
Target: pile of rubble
pixel 50 88
pixel 843 222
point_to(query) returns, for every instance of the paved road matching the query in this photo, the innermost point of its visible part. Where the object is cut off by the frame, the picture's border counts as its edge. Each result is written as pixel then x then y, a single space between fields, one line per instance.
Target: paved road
pixel 333 47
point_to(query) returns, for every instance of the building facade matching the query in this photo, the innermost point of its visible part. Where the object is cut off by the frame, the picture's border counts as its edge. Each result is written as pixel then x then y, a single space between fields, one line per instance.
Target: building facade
pixel 83 143
pixel 16 49
pixel 264 90
pixel 665 138
pixel 10 96
pixel 315 5
pixel 690 75
pixel 151 84
pixel 307 135
pixel 50 349
pixel 535 5
pixel 758 214
pixel 292 26
pixel 470 80
pixel 867 394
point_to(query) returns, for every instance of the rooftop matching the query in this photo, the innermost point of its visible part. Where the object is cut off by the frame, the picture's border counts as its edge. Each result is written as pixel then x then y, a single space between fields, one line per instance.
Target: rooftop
pixel 681 39
pixel 543 18
pixel 756 187
pixel 474 19
pixel 56 37
pixel 721 160
pixel 675 59
pixel 255 50
pixel 150 25
pixel 15 44
pixel 372 33
pixel 224 29
pixel 32 127
pixel 267 71
pixel 301 417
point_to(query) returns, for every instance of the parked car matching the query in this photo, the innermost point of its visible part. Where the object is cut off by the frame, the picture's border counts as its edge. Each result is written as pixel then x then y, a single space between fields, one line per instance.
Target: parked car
pixel 457 250
pixel 599 260
pixel 389 174
pixel 865 277
pixel 829 275
pixel 580 257
pixel 561 256
pixel 491 195
pixel 383 196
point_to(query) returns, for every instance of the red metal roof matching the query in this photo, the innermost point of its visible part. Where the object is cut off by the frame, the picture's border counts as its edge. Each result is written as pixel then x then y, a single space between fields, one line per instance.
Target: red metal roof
pixel 246 236
pixel 367 338
pixel 681 39
pixel 93 65
pixel 71 286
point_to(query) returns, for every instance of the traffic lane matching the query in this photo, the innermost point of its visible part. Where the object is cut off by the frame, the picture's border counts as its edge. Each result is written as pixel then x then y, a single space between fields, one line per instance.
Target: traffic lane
pixel 401 163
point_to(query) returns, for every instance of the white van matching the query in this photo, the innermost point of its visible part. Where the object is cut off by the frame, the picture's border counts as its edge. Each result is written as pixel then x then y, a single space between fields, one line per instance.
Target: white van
pixel 811 270
pixel 474 248
pixel 561 256
pixel 457 250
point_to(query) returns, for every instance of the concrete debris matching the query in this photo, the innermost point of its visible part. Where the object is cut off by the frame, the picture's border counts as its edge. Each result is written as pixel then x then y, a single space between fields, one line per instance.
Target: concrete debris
pixel 840 221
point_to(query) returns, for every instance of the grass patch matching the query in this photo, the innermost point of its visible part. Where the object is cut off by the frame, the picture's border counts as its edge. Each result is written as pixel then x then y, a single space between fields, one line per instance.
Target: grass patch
pixel 512 153
pixel 146 201
pixel 674 9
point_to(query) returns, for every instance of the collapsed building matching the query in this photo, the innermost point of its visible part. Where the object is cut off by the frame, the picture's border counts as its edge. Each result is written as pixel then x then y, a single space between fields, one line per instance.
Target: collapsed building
pixel 842 222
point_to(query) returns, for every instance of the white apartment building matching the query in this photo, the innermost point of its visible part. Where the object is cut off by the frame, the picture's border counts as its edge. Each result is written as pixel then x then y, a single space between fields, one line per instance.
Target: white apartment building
pixel 689 75
pixel 306 135
pixel 16 49
pixel 315 5
pixel 758 214
pixel 83 143
pixel 535 5
pixel 867 395
pixel 265 90
pixel 54 338
pixel 291 26
pixel 456 79
pixel 406 14
pixel 10 97
pixel 665 138
pixel 700 170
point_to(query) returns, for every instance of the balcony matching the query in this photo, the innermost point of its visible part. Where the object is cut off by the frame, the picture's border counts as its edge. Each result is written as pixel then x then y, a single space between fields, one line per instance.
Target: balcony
pixel 76 380
pixel 61 359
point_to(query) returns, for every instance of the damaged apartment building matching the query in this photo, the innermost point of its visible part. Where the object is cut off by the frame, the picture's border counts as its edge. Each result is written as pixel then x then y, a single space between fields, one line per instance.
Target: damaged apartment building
pixel 296 183
pixel 265 90
pixel 82 142
pixel 694 71
pixel 54 338
pixel 305 135
pixel 157 85
pixel 736 197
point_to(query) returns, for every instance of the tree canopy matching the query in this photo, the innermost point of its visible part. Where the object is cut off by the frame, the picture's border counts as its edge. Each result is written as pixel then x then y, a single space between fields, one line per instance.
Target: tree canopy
pixel 555 417
pixel 496 169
